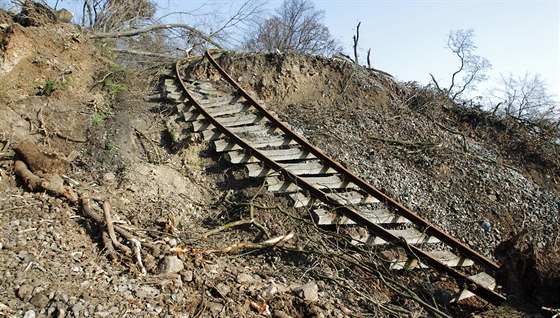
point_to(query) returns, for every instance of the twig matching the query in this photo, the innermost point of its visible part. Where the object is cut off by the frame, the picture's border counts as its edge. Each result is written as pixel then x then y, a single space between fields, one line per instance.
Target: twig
pixel 7 154
pixel 453 132
pixel 251 220
pixel 73 139
pixel 265 244
pixel 138 131
pixel 143 53
pixel 227 226
pixel 42 126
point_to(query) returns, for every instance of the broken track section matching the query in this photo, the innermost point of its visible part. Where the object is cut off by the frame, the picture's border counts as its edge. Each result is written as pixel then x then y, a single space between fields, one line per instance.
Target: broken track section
pixel 248 134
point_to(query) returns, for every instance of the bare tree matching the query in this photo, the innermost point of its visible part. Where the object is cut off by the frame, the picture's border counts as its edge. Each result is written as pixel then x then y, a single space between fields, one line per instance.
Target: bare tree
pixel 472 67
pixel 111 15
pixel 198 29
pixel 296 27
pixel 525 98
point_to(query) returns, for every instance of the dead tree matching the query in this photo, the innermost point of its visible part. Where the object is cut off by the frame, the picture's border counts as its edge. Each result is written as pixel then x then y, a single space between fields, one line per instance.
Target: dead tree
pixel 356 38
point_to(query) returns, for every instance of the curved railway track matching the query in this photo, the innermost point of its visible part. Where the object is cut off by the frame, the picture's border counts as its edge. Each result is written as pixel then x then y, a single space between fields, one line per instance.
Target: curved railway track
pixel 239 126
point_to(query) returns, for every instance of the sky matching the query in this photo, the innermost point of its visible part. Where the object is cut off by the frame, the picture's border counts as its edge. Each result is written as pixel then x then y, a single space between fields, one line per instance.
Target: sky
pixel 408 37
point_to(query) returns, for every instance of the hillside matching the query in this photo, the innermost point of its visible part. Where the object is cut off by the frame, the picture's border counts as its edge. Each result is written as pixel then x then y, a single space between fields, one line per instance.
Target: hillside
pixel 109 136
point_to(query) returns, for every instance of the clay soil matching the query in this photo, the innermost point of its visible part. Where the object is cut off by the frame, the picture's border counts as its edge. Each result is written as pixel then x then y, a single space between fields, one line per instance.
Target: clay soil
pixel 123 145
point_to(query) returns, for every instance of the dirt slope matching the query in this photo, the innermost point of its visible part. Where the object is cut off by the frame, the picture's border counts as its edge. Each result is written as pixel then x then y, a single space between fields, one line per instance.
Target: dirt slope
pixel 62 94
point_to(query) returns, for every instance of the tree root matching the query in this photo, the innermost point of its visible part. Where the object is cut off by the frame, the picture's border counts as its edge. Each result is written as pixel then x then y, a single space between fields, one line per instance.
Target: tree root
pixel 109 237
pixel 52 184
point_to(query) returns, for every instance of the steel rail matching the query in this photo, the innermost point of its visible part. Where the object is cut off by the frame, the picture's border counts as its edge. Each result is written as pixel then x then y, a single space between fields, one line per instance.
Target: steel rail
pixel 413 251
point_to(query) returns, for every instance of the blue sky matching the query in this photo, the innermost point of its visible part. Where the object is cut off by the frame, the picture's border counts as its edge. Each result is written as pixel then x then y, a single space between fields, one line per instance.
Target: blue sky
pixel 408 38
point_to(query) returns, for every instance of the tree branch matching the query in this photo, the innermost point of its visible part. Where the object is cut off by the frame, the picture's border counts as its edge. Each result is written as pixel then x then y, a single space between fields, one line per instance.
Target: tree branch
pixel 134 32
pixel 435 82
pixel 145 53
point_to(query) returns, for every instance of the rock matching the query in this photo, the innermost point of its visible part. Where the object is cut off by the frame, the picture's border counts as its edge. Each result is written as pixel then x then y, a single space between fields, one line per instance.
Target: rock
pixel 172 242
pixel 269 291
pixel 39 300
pixel 77 309
pixel 280 314
pixel 485 225
pixel 245 278
pixel 171 265
pixel 25 292
pixel 187 276
pixel 109 176
pixel 147 292
pixel 309 292
pixel 223 289
pixel 215 307
pixel 29 314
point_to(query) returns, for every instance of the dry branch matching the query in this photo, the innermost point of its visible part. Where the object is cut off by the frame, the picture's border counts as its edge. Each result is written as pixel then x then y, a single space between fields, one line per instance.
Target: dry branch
pixel 275 241
pixel 143 53
pixel 128 33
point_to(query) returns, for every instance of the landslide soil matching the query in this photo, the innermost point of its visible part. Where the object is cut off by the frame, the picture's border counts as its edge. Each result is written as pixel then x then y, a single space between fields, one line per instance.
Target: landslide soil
pixel 450 164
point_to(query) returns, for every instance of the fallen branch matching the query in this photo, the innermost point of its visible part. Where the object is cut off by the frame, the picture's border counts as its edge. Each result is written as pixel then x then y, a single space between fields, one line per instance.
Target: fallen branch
pixel 243 221
pixel 110 249
pixel 275 241
pixel 152 143
pixel 143 53
pixel 127 33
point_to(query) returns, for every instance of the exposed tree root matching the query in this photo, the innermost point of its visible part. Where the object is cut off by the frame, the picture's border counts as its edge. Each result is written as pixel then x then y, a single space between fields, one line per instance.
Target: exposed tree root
pixel 52 184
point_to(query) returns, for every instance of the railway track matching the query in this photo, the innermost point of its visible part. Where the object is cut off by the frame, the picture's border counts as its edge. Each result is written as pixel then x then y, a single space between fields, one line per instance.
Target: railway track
pixel 248 134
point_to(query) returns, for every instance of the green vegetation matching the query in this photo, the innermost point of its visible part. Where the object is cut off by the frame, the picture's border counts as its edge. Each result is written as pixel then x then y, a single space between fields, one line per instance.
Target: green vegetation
pixel 51 86
pixel 96 119
pixel 111 146
pixel 117 88
pixel 112 81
